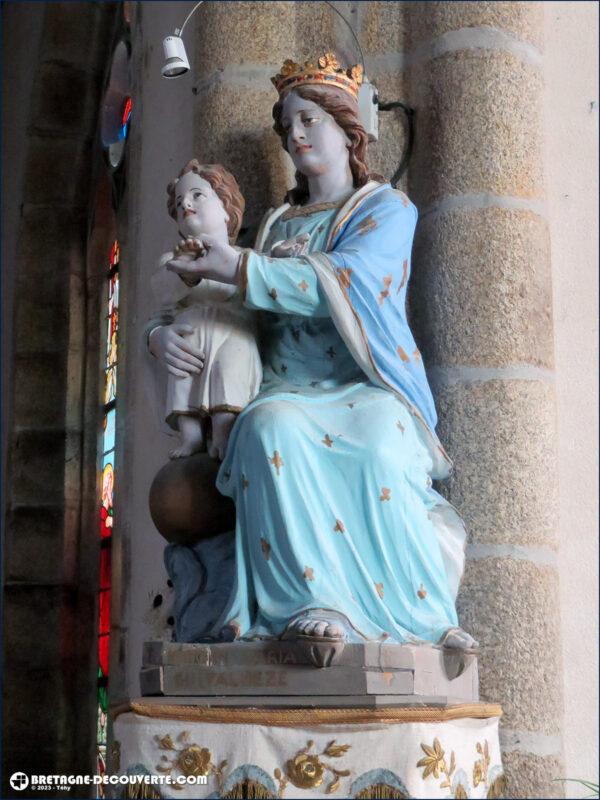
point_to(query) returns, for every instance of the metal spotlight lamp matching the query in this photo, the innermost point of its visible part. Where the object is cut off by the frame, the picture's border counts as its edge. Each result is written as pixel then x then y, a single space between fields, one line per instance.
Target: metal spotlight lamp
pixel 176 60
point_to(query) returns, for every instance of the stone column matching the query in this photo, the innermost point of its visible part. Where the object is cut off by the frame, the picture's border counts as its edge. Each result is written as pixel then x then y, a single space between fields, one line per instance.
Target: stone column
pixel 482 306
pixel 239 46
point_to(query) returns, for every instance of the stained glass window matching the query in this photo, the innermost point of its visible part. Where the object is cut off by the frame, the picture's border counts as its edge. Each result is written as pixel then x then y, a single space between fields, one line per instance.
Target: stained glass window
pixel 107 495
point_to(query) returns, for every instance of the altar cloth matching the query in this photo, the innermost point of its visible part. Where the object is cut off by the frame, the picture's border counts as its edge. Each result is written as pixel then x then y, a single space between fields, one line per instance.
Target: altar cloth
pixel 420 752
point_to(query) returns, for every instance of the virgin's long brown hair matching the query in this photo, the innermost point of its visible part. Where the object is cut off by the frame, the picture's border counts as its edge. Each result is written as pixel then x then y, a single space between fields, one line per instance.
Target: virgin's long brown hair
pixel 344 110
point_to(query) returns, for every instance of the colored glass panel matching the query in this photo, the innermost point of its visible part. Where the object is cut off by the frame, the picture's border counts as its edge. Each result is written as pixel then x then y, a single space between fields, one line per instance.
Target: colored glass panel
pixel 125 118
pixel 115 254
pixel 105 554
pixel 110 385
pixel 103 652
pixel 109 425
pixel 106 507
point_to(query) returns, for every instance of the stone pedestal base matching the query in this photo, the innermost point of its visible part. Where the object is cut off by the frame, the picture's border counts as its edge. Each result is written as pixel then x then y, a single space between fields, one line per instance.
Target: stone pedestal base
pixel 429 752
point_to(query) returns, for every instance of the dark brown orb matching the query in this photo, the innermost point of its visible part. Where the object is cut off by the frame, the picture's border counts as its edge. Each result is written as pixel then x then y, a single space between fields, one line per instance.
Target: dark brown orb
pixel 184 502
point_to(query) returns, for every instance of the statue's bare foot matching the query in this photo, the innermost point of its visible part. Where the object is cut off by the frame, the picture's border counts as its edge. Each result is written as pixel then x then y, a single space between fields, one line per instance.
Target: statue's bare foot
pixel 222 423
pixel 192 437
pixel 318 635
pixel 457 639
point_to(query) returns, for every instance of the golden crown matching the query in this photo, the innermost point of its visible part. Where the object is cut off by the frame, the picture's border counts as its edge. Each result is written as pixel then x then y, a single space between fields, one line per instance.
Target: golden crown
pixel 325 71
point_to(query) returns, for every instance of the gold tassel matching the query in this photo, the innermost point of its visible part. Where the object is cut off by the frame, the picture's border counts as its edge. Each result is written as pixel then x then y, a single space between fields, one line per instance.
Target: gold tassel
pixel 250 789
pixel 380 791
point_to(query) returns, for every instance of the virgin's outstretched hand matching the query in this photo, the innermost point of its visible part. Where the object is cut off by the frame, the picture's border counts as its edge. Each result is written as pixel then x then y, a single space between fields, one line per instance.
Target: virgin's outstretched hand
pixel 219 263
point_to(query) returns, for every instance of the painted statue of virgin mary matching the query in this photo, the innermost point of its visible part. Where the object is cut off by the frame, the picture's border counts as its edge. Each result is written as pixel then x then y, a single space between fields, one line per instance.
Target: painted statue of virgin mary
pixel 340 535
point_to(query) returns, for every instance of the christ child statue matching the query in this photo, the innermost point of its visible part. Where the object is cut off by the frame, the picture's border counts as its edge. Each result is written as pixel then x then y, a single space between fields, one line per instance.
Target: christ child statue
pixel 226 372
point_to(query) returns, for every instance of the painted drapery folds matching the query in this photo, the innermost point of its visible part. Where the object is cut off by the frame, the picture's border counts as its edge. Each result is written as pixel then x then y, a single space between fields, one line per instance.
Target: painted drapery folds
pixel 331 466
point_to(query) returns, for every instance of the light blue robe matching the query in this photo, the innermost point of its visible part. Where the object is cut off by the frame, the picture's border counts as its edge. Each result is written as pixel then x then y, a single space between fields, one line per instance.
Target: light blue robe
pixel 330 467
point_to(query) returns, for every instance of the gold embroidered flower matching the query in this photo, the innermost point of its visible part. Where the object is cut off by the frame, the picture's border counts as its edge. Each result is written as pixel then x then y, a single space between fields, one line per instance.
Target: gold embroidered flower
pixel 329 60
pixel 194 761
pixel 305 771
pixel 433 761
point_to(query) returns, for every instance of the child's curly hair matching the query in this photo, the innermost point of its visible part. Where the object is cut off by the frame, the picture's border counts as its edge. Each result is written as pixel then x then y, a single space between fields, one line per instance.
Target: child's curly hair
pixel 224 185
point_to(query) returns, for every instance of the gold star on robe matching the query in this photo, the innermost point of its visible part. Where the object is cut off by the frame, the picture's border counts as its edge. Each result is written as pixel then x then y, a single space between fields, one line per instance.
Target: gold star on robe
pixel 417 355
pixel 309 573
pixel 339 526
pixel 400 426
pixel 385 494
pixel 327 441
pixel 276 461
pixel 404 276
pixel 245 482
pixel 385 292
pixel 273 294
pixel 265 547
pixel 379 589
pixel 402 354
pixel 345 277
pixel 422 593
pixel 303 285
pixel 368 224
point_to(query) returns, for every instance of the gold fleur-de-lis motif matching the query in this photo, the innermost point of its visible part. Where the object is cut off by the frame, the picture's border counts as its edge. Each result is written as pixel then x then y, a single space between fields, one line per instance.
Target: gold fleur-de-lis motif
pixel 368 224
pixel 404 276
pixel 402 353
pixel 273 294
pixel 245 482
pixel 417 354
pixel 379 589
pixel 303 285
pixel 265 547
pixel 327 441
pixel 385 494
pixel 277 461
pixel 329 60
pixel 345 276
pixel 350 405
pixel 331 352
pixel 422 592
pixel 339 526
pixel 400 426
pixel 309 573
pixel 385 292
pixel 284 368
pixel 290 67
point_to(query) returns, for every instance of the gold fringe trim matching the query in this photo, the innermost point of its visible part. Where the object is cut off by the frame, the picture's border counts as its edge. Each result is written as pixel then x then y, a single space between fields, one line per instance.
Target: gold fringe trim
pixel 380 791
pixel 250 789
pixel 296 717
pixel 141 791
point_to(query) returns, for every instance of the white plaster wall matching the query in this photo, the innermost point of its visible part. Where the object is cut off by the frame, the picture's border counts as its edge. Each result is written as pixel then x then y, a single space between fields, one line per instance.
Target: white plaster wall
pixel 571 67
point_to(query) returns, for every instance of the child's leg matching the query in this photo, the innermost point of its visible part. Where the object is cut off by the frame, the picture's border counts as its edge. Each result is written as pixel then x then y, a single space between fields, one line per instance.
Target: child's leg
pixel 222 423
pixel 192 436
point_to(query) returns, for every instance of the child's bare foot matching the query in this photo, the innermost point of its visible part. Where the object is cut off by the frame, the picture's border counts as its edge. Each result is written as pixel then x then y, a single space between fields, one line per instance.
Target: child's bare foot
pixel 222 423
pixel 192 436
